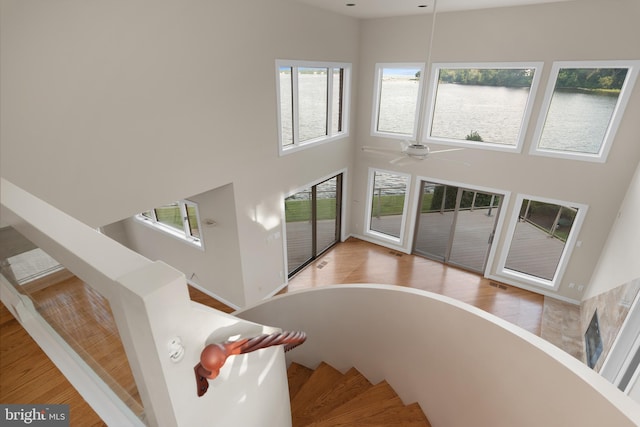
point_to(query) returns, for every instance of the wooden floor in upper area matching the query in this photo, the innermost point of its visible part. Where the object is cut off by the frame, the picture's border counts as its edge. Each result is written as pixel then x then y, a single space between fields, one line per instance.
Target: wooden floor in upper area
pixel 357 261
pixel 28 376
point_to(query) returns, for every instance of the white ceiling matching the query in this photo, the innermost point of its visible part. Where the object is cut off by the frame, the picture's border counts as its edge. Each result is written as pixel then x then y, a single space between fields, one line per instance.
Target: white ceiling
pixel 385 8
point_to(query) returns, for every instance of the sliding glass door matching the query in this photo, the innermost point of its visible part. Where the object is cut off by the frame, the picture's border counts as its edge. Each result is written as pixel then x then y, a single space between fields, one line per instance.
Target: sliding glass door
pixel 313 222
pixel 456 225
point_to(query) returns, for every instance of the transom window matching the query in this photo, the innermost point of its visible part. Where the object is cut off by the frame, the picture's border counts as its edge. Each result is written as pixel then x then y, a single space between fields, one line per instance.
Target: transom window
pixel 481 105
pixel 312 102
pixel 542 235
pixel 582 108
pixel 397 100
pixel 387 204
pixel 179 219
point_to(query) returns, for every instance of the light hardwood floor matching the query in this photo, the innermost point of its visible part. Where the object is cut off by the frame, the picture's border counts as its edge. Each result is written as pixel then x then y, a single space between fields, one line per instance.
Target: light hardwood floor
pixel 24 368
pixel 357 261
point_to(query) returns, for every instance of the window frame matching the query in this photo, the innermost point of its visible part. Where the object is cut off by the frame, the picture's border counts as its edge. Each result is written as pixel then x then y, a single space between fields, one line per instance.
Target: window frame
pixel 377 234
pixel 331 135
pixel 526 115
pixel 377 93
pixel 570 244
pixel 185 234
pixel 618 112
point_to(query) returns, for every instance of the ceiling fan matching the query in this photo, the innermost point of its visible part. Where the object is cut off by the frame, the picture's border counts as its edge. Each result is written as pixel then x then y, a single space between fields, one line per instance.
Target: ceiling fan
pixel 408 151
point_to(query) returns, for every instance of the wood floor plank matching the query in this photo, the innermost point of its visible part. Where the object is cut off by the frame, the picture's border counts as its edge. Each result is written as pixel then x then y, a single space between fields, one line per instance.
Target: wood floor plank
pixel 33 378
pixel 357 261
pixel 353 261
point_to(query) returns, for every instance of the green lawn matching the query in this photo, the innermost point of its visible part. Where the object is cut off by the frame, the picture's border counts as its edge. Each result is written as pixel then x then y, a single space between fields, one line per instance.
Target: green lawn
pixel 300 210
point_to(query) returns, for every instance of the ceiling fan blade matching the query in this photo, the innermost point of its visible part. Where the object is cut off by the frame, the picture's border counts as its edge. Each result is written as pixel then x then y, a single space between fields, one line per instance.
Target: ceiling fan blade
pixel 407 161
pixel 379 150
pixel 445 151
pixel 452 160
pixel 397 160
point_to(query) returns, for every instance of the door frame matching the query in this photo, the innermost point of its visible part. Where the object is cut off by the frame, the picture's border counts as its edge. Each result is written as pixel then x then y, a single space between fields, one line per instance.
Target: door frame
pixel 340 200
pixel 499 227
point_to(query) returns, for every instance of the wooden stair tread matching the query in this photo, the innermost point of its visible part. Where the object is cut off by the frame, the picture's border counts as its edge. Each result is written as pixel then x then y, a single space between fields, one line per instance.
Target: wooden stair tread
pixel 297 375
pixel 379 398
pixel 351 385
pixel 321 380
pixel 324 397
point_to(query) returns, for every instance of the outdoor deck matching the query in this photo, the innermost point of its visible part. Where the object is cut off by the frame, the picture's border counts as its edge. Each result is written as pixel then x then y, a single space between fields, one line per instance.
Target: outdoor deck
pixel 532 250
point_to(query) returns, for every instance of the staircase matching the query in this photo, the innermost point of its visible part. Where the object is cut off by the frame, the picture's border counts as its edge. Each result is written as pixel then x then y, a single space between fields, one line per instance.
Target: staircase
pixel 325 397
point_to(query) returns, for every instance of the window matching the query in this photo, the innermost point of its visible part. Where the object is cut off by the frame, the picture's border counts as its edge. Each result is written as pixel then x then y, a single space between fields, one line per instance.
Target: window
pixel 387 204
pixel 481 105
pixel 312 102
pixel 583 106
pixel 541 236
pixel 397 100
pixel 179 219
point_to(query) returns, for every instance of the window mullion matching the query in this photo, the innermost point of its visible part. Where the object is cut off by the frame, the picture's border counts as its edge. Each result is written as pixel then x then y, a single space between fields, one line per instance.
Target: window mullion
pixel 328 125
pixel 185 218
pixel 294 105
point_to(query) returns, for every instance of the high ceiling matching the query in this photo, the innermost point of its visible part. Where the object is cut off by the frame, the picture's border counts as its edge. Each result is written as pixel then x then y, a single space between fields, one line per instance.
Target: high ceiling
pixel 385 8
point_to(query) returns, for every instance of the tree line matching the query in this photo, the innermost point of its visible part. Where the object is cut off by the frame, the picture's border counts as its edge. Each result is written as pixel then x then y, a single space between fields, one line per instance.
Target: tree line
pixel 568 78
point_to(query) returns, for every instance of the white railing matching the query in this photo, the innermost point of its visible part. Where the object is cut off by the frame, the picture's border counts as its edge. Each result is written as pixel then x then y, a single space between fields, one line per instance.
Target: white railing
pixel 151 307
pixel 464 367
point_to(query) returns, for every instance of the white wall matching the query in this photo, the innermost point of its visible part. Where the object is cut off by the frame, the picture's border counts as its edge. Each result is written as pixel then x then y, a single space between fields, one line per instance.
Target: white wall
pixel 619 261
pixel 217 266
pixel 584 30
pixel 112 108
pixel 464 367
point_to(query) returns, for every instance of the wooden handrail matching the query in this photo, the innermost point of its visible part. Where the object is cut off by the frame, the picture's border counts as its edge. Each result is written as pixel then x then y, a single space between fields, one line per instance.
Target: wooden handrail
pixel 214 356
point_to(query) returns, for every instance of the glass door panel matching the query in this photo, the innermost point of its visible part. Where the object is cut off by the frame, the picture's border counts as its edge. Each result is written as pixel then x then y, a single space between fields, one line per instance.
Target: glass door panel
pixel 456 225
pixel 298 214
pixel 474 228
pixel 437 209
pixel 327 214
pixel 312 222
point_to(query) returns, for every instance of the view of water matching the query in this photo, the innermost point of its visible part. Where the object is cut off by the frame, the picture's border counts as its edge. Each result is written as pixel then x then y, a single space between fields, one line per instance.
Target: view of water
pixel 398 104
pixel 494 112
pixel 576 121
